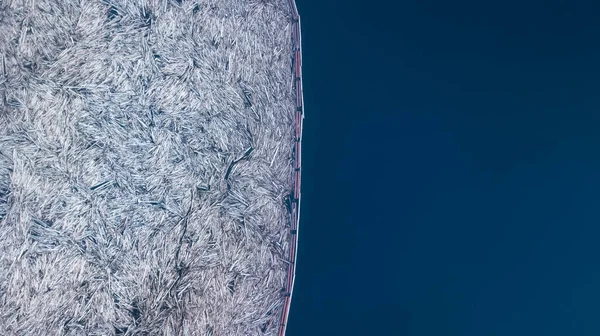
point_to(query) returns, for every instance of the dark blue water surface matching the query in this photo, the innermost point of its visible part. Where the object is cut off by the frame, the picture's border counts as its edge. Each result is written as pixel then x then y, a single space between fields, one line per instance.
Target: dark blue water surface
pixel 451 169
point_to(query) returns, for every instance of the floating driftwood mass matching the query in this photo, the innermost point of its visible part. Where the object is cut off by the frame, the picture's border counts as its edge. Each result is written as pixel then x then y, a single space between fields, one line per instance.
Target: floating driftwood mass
pixel 149 166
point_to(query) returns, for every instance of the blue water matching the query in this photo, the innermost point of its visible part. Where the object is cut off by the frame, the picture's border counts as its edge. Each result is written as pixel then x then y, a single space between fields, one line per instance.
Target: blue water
pixel 451 169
